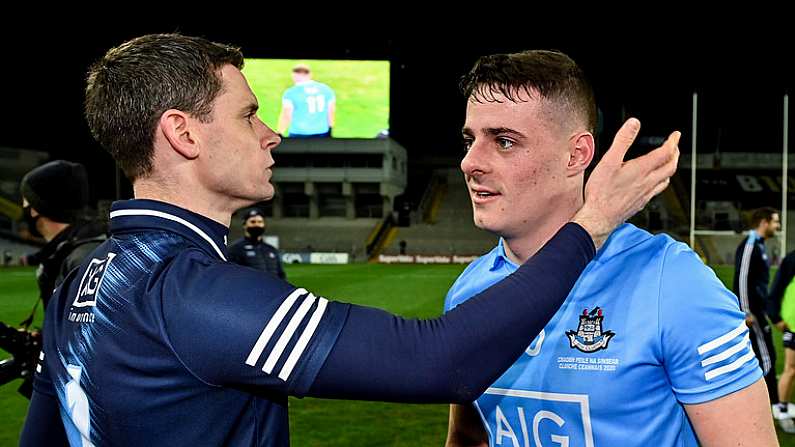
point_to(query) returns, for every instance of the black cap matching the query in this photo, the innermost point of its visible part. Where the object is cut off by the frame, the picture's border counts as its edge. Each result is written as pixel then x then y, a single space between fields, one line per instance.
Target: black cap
pixel 57 190
pixel 251 213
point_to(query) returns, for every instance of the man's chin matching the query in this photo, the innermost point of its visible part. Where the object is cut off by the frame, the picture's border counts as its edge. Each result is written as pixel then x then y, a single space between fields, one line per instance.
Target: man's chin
pixel 266 195
pixel 249 200
pixel 483 224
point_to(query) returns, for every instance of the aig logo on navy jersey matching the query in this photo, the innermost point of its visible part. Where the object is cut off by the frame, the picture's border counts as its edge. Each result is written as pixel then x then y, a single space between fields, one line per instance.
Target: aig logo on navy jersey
pixel 589 336
pixel 92 279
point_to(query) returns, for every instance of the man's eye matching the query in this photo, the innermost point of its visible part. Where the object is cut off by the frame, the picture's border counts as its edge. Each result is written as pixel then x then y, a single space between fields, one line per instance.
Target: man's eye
pixel 504 143
pixel 467 142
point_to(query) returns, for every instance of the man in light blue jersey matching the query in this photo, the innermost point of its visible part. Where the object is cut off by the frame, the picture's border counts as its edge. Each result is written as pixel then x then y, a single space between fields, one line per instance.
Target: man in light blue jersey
pixel 308 108
pixel 649 347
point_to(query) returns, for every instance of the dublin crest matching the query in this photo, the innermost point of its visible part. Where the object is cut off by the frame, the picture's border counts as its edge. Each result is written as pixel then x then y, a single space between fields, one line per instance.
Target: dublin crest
pixel 589 336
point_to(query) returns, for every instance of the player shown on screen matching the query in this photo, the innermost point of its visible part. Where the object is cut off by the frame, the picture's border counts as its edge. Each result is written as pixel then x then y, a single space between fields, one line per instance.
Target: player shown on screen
pixel 308 107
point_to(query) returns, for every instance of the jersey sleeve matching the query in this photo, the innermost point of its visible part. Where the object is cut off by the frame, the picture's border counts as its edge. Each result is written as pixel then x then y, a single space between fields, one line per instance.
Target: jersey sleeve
pixel 238 327
pixel 705 343
pixel 48 356
pixel 287 99
pixel 43 424
pixel 42 382
pixel 455 357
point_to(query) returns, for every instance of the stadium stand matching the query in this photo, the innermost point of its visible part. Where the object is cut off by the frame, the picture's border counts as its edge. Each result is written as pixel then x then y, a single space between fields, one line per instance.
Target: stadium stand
pixel 448 229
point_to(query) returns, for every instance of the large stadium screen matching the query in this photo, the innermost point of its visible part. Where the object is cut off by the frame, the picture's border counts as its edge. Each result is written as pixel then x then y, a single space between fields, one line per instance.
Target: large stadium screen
pixel 322 98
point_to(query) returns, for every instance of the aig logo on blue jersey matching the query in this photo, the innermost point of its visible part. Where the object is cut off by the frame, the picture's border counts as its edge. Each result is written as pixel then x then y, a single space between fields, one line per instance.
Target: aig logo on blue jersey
pixel 589 336
pixel 530 418
pixel 92 279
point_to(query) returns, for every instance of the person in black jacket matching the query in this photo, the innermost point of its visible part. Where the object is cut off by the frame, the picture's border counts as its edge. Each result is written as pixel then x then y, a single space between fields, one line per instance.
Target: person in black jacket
pixel 252 251
pixel 751 278
pixel 54 199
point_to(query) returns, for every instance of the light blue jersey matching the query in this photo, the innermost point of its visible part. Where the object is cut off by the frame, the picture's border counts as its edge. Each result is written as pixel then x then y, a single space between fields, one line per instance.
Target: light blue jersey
pixel 310 102
pixel 646 329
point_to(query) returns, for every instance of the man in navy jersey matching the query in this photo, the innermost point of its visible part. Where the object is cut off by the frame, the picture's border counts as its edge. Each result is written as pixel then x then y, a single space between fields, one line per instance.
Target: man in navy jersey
pixel 157 339
pixel 751 279
pixel 649 348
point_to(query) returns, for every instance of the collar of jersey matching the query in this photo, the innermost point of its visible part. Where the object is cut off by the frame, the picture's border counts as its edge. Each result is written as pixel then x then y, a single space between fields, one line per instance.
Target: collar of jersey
pixel 621 239
pixel 133 215
pixel 500 258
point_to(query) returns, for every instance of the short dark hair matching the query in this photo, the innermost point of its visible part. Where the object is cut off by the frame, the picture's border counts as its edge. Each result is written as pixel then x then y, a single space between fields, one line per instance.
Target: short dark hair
pixel 130 88
pixel 762 214
pixel 549 73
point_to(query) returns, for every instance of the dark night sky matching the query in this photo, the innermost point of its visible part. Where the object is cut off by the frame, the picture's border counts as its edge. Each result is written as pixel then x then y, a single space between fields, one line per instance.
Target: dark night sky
pixel 647 71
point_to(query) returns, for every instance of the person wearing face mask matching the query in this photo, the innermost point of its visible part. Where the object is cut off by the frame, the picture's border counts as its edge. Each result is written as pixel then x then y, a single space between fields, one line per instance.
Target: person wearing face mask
pixel 54 198
pixel 252 251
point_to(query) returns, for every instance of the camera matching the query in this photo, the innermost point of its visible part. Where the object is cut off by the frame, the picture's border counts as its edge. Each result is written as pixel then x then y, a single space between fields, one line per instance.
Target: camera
pixel 24 346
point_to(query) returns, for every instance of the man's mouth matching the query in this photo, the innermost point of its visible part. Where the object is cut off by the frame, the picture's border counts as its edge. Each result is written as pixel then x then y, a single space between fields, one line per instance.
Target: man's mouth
pixel 480 195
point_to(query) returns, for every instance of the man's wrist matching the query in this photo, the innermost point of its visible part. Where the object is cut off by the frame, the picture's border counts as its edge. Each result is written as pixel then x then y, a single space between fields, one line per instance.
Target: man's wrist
pixel 594 225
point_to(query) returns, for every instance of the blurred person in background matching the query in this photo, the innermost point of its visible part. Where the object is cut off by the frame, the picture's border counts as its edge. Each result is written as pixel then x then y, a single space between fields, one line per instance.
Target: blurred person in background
pixel 252 251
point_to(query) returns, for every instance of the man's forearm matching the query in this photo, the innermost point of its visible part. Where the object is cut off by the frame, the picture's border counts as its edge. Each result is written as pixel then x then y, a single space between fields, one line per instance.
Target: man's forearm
pixel 454 358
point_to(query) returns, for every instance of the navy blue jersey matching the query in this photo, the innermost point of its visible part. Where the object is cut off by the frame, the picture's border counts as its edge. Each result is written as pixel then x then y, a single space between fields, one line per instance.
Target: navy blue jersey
pixel 752 275
pixel 158 340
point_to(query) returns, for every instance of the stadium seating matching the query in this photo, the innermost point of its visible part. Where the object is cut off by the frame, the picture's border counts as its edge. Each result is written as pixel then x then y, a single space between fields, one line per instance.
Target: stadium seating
pixel 326 234
pixel 453 233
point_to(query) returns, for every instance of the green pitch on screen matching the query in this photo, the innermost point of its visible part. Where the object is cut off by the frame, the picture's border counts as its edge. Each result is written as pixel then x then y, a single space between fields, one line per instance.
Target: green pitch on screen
pixel 361 88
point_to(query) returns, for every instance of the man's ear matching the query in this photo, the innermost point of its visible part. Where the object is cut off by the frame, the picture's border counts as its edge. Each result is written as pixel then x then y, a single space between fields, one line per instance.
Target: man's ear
pixel 582 148
pixel 176 127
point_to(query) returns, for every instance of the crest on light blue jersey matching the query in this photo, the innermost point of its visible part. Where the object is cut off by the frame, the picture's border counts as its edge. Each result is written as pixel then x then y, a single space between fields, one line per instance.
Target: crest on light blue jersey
pixel 589 336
